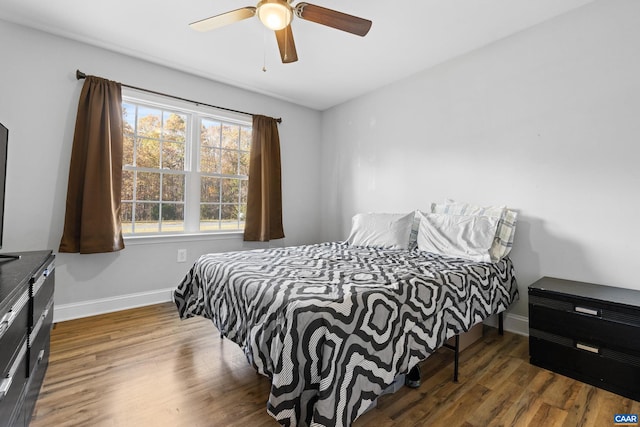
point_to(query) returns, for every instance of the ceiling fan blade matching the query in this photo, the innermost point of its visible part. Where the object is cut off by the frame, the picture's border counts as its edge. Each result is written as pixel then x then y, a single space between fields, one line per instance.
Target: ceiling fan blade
pixel 223 19
pixel 287 45
pixel 332 18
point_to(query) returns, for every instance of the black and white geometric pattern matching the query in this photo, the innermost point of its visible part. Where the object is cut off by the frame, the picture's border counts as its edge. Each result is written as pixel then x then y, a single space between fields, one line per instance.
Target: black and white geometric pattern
pixel 332 325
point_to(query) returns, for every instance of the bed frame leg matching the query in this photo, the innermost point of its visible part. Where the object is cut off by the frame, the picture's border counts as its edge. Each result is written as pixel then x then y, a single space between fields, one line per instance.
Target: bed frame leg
pixel 501 323
pixel 456 358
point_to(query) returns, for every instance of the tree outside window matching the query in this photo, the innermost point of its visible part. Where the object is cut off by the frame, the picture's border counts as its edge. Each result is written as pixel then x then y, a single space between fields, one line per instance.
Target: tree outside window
pixel 166 151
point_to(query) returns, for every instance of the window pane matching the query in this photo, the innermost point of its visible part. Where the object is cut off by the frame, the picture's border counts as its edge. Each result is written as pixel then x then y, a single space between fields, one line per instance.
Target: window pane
pixel 230 190
pixel 148 186
pixel 209 212
pixel 209 189
pixel 172 187
pixel 147 217
pixel 149 122
pixel 148 153
pixel 242 214
pixel 229 212
pixel 127 185
pixel 244 188
pixel 125 218
pixel 172 217
pixel 173 155
pixel 209 216
pixel 230 136
pixel 128 117
pixel 245 138
pixel 210 133
pixel 209 160
pixel 127 149
pixel 175 127
pixel 229 164
pixel 244 163
pixel 229 216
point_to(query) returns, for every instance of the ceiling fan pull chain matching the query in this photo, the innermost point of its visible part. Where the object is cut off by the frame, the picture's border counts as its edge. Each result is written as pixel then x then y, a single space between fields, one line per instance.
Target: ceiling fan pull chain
pixel 264 50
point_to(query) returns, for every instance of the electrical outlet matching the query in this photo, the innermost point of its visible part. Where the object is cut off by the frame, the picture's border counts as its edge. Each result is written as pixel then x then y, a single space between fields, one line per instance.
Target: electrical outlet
pixel 182 255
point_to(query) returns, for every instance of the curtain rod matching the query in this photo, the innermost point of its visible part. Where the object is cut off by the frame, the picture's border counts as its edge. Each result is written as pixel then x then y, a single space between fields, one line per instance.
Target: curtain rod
pixel 80 75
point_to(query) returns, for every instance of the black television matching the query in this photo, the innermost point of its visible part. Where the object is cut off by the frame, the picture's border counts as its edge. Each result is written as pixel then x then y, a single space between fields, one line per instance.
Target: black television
pixel 4 139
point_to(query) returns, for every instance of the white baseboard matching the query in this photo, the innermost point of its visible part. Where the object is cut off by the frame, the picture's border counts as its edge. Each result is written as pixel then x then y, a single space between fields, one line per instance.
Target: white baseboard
pixel 94 307
pixel 517 324
pixel 512 323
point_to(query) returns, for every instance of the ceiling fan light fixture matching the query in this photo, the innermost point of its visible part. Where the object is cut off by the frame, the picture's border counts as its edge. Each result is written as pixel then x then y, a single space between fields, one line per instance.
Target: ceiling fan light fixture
pixel 275 14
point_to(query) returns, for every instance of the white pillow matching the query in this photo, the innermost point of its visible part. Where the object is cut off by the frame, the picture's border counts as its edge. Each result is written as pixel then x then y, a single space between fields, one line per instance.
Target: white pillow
pixel 381 230
pixel 503 241
pixel 460 236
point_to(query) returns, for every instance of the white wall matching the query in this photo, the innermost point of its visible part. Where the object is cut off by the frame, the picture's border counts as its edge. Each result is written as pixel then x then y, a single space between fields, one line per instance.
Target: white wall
pixel 546 121
pixel 38 103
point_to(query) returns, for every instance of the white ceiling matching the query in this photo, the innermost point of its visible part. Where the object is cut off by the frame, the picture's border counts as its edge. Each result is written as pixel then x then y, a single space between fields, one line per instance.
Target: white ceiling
pixel 333 67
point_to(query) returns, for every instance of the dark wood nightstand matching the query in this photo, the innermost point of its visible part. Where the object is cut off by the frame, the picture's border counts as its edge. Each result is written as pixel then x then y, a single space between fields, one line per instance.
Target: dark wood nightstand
pixel 587 332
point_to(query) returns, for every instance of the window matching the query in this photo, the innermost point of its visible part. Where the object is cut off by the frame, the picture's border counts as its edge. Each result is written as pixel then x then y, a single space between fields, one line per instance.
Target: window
pixel 185 170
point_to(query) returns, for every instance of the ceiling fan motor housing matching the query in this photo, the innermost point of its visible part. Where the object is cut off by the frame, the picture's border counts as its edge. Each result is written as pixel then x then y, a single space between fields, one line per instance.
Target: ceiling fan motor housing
pixel 275 14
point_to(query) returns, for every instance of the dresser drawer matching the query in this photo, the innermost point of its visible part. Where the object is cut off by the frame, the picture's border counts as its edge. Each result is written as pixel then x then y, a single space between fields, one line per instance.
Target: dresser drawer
pixel 36 378
pixel 12 386
pixel 621 377
pixel 42 288
pixel 586 327
pixel 13 325
pixel 39 338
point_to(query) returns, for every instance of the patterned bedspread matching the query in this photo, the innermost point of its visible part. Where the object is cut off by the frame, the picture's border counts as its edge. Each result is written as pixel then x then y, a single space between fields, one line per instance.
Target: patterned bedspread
pixel 332 325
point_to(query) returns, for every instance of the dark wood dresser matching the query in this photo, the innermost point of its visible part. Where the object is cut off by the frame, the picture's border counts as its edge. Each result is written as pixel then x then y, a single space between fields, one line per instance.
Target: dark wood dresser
pixel 587 332
pixel 26 314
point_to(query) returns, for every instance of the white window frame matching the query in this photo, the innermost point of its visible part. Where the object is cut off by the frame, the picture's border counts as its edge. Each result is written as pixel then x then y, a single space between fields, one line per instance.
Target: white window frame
pixel 195 113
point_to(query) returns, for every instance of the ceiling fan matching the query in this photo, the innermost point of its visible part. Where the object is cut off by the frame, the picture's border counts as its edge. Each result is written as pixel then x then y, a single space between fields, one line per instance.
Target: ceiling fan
pixel 278 14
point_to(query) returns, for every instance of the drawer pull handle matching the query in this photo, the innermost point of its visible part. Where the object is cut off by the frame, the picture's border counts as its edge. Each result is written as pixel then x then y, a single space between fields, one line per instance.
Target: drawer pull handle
pixel 40 356
pixel 6 321
pixel 588 348
pixel 47 271
pixel 588 311
pixel 4 387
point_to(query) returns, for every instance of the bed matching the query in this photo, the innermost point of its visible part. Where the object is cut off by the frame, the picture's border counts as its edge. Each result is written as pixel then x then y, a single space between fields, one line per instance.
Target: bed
pixel 334 324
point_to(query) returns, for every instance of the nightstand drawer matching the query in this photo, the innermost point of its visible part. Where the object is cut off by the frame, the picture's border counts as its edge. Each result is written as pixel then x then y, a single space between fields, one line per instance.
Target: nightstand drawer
pixel 585 327
pixel 588 366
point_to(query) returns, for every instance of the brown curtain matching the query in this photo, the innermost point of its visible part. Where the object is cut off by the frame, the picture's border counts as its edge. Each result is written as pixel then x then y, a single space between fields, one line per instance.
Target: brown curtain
pixel 264 198
pixel 92 218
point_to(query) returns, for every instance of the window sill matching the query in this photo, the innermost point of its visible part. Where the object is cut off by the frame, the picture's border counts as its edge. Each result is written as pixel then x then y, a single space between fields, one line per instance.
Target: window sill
pixel 173 238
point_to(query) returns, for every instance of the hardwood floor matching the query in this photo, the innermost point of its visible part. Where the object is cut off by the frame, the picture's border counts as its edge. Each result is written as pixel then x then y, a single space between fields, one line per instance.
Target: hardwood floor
pixel 146 367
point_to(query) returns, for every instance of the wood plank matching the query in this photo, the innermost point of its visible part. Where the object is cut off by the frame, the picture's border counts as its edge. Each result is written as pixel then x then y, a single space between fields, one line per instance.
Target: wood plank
pixel 147 367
